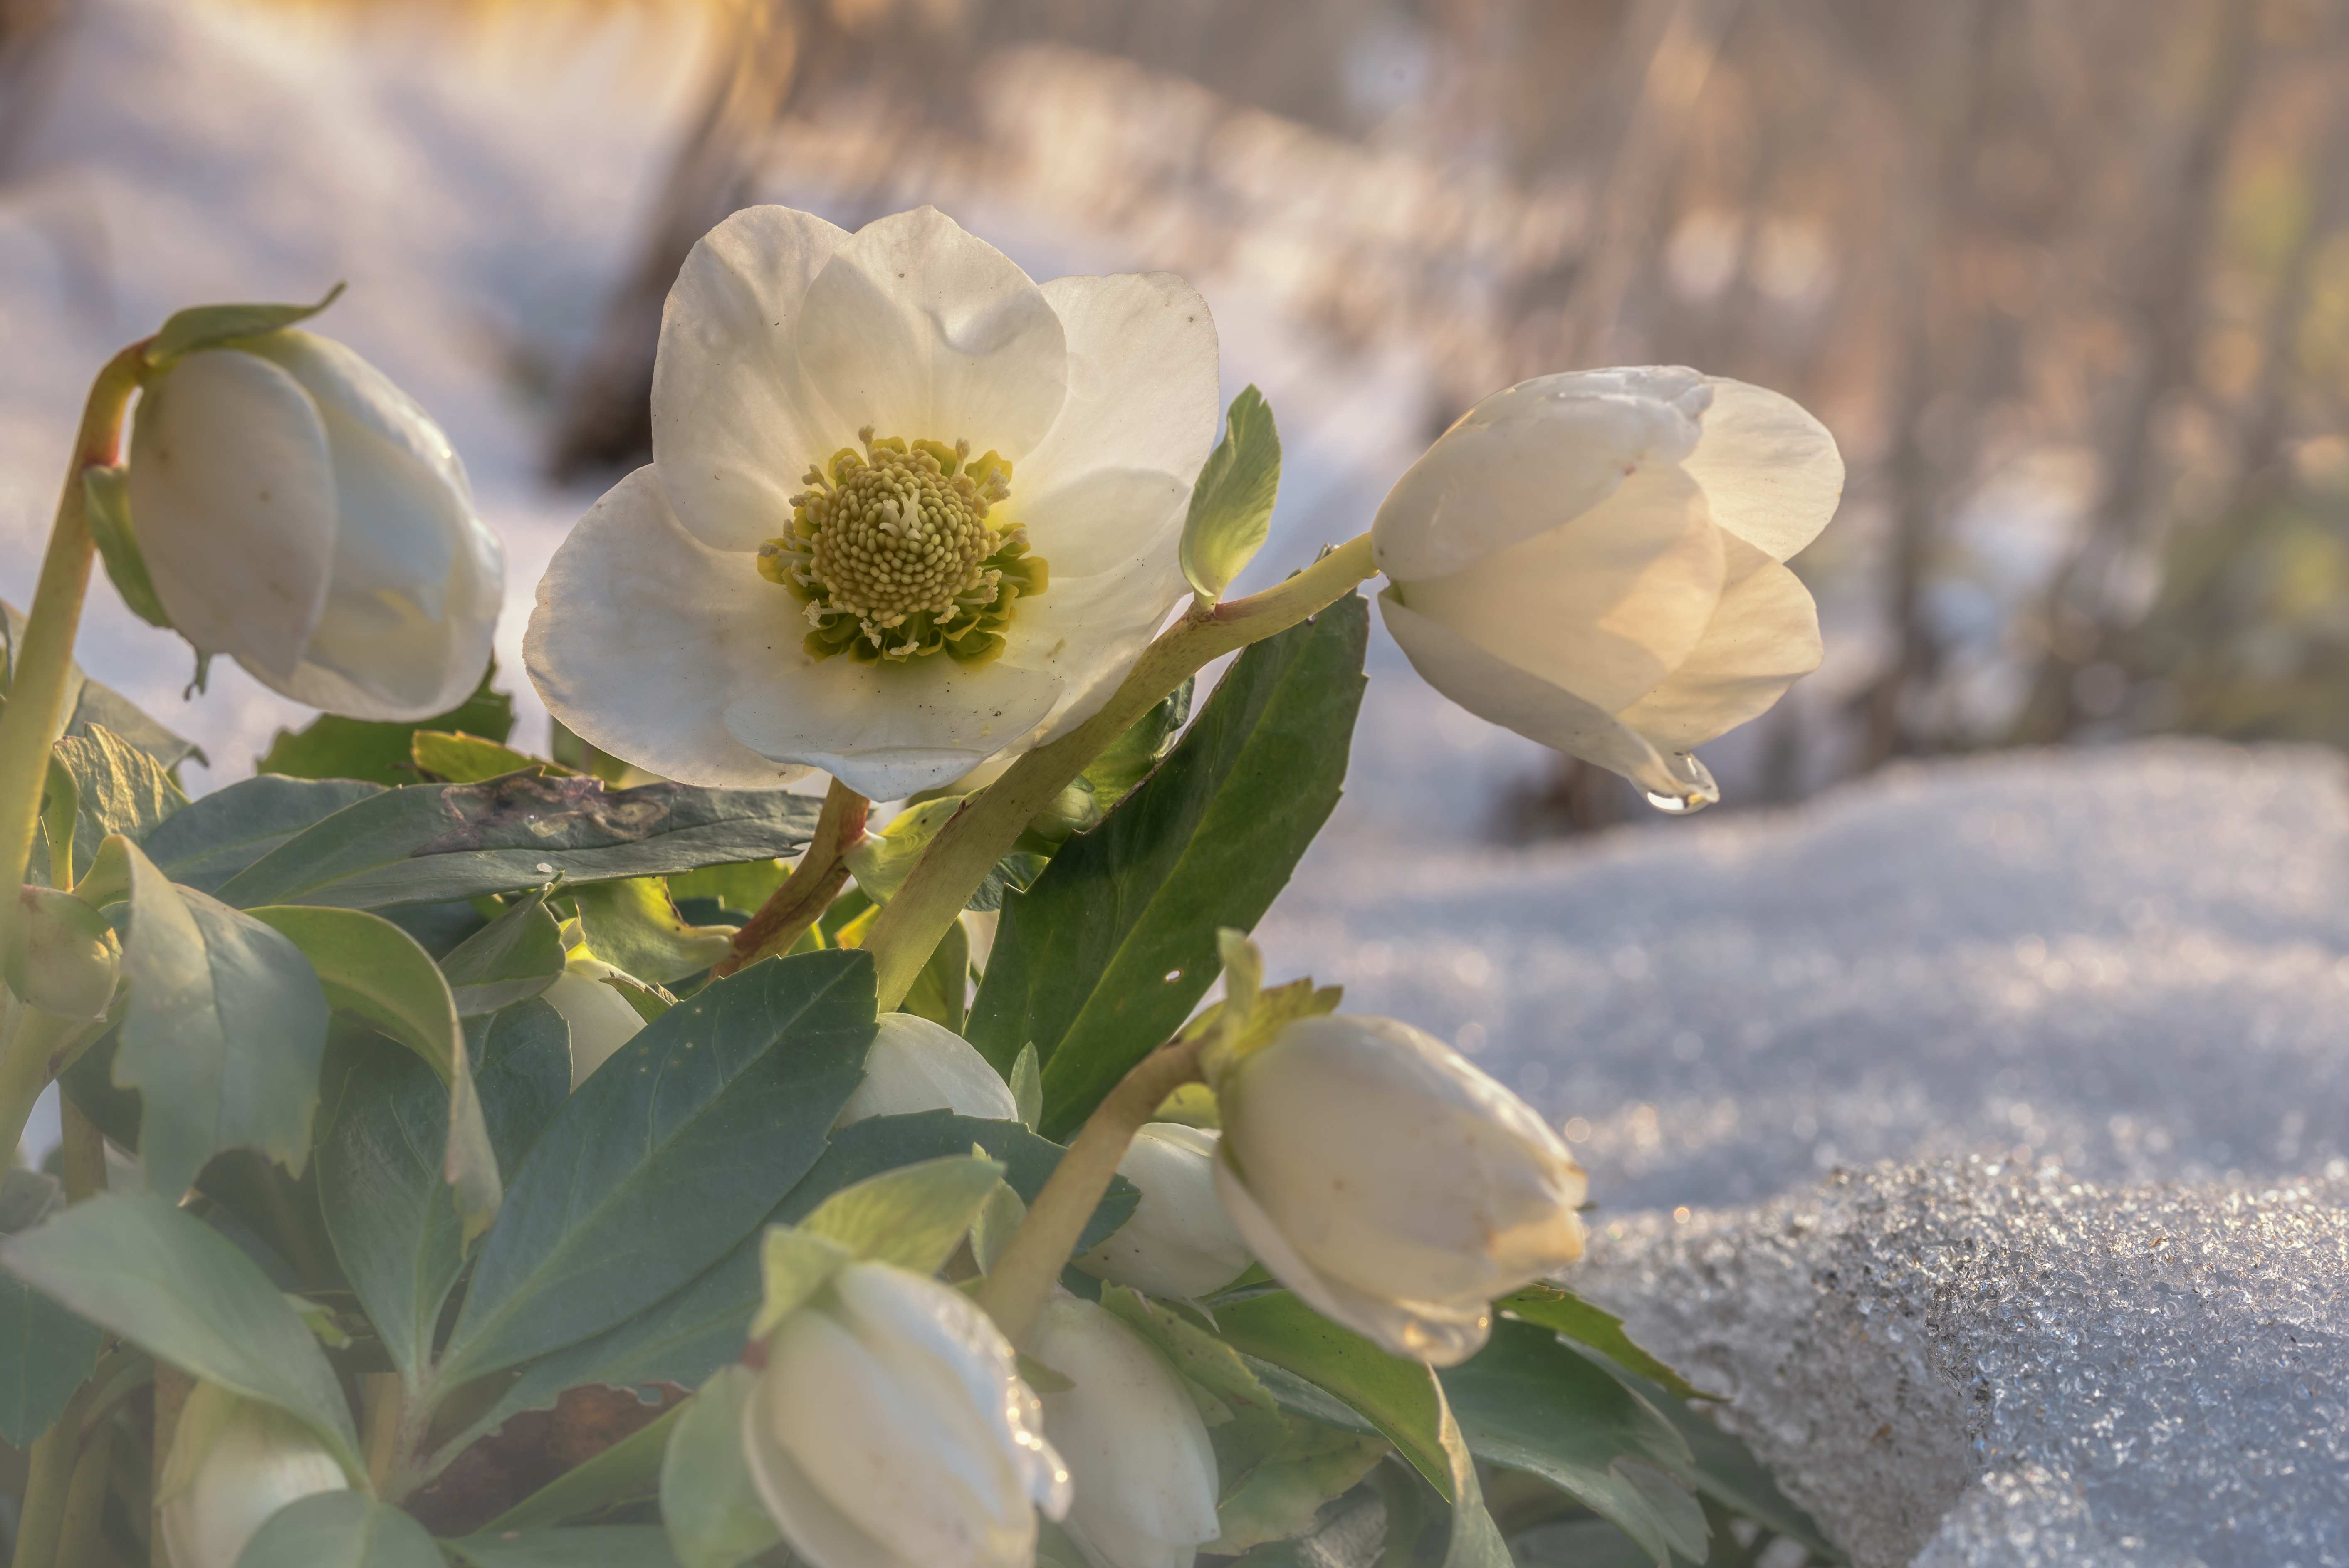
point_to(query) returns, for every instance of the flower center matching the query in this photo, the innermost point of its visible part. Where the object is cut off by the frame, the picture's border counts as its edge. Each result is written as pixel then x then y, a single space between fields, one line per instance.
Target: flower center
pixel 892 554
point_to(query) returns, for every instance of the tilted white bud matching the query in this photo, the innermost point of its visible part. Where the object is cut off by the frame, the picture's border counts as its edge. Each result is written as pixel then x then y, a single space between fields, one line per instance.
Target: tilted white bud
pixel 300 513
pixel 1595 560
pixel 233 1463
pixel 890 1430
pixel 601 1019
pixel 918 1066
pixel 1180 1242
pixel 1391 1185
pixel 66 958
pixel 1137 1449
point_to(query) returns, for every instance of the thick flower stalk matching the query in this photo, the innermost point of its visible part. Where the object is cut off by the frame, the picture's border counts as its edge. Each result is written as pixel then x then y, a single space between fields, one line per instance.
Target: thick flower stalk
pixel 1179 1243
pixel 890 1430
pixel 916 1065
pixel 907 510
pixel 1138 1451
pixel 1389 1183
pixel 297 512
pixel 1595 560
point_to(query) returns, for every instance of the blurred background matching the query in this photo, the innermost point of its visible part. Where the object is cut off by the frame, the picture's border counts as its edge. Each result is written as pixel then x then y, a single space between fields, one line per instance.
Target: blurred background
pixel 2069 280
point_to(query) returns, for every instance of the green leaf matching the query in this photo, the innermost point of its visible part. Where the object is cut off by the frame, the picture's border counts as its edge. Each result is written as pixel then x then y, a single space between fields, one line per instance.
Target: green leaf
pixel 914 1216
pixel 334 747
pixel 459 758
pixel 106 501
pixel 184 1293
pixel 87 703
pixel 1279 1498
pixel 226 1027
pixel 429 843
pixel 201 327
pixel 1108 953
pixel 45 1350
pixel 1130 757
pixel 793 1265
pixel 118 789
pixel 668 1155
pixel 941 992
pixel 627 1471
pixel 1028 1087
pixel 515 957
pixel 608 1546
pixel 1727 1471
pixel 630 924
pixel 712 1510
pixel 882 861
pixel 1564 1312
pixel 340 1530
pixel 376 971
pixel 1231 504
pixel 1533 1402
pixel 521 1067
pixel 881 1144
pixel 209 840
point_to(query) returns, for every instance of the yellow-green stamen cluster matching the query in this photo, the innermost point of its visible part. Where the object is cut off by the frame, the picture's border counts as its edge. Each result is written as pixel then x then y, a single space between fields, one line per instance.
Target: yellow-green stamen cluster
pixel 891 553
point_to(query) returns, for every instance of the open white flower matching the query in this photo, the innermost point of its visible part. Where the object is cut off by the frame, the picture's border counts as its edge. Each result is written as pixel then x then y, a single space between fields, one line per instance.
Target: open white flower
pixel 906 509
pixel 1594 560
pixel 299 513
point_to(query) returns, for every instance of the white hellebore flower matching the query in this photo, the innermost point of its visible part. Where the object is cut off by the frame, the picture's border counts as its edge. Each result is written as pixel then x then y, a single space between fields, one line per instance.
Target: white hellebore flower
pixel 300 513
pixel 890 1430
pixel 1179 1243
pixel 906 509
pixel 918 1066
pixel 1393 1185
pixel 1594 560
pixel 233 1463
pixel 1138 1451
pixel 601 1019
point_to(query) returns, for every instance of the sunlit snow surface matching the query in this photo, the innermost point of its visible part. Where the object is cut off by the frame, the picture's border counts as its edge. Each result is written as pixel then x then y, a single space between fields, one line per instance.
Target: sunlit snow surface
pixel 2103 996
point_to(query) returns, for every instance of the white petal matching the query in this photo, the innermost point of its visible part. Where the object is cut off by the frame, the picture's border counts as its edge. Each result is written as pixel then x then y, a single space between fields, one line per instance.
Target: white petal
pixel 1089 628
pixel 1144 391
pixel 1143 1465
pixel 1495 689
pixel 233 500
pixel 916 1066
pixel 889 730
pixel 1441 1335
pixel 1764 638
pixel 1523 460
pixel 642 635
pixel 736 421
pixel 924 331
pixel 1605 606
pixel 1106 520
pixel 1770 469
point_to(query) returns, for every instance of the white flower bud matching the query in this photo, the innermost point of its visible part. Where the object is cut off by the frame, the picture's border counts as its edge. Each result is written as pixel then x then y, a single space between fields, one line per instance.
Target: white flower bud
pixel 890 1430
pixel 300 513
pixel 1390 1184
pixel 1595 560
pixel 66 958
pixel 918 1066
pixel 601 1019
pixel 233 1463
pixel 1138 1451
pixel 1180 1242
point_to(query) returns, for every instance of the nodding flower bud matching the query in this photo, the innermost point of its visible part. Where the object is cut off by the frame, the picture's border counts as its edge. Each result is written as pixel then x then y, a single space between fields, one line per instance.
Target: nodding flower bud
pixel 1390 1184
pixel 890 1430
pixel 65 957
pixel 234 1462
pixel 918 1066
pixel 298 513
pixel 1179 1241
pixel 601 1019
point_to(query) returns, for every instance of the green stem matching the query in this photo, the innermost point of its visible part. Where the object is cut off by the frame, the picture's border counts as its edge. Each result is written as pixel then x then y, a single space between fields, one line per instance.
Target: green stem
pixel 38 1046
pixel 1021 1282
pixel 958 860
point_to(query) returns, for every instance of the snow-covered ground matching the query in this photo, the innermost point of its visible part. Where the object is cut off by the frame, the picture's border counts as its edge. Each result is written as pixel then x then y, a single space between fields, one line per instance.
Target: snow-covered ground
pixel 2074 1020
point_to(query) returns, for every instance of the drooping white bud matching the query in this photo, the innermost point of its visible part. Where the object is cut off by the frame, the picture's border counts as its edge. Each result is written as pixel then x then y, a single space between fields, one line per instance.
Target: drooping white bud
pixel 601 1019
pixel 1179 1243
pixel 233 1463
pixel 918 1066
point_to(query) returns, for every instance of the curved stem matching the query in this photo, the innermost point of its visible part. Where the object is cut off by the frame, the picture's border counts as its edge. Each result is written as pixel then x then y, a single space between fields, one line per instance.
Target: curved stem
pixel 811 887
pixel 1021 1282
pixel 958 860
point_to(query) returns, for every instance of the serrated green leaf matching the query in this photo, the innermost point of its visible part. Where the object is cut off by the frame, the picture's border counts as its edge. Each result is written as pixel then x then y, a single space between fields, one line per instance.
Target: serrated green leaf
pixel 915 1216
pixel 1279 1498
pixel 1562 1312
pixel 668 1155
pixel 133 1263
pixel 1231 503
pixel 459 758
pixel 1103 959
pixel 215 836
pixel 376 971
pixel 87 702
pixel 793 1265
pixel 201 326
pixel 106 501
pixel 709 1504
pixel 1726 1470
pixel 631 924
pixel 225 1030
pixel 513 958
pixel 117 788
pixel 426 844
